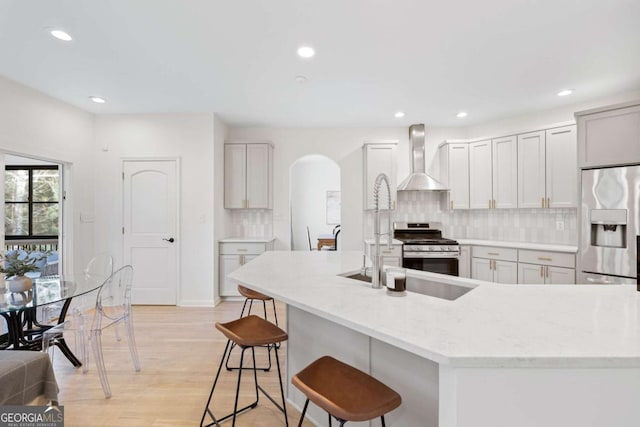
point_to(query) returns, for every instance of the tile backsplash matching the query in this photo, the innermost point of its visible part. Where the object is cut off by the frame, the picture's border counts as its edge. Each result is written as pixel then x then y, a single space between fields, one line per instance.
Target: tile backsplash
pixel 552 226
pixel 251 223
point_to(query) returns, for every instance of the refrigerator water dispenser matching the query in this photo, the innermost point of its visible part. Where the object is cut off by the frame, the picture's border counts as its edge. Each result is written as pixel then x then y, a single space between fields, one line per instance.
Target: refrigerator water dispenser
pixel 609 228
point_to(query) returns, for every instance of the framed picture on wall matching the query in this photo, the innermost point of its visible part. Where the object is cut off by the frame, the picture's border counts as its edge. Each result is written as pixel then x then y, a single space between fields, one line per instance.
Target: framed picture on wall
pixel 333 207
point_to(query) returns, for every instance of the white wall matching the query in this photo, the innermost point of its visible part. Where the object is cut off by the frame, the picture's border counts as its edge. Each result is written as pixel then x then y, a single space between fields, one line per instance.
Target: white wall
pixel 343 145
pixel 36 125
pixel 311 177
pixel 541 119
pixel 189 137
pixel 221 216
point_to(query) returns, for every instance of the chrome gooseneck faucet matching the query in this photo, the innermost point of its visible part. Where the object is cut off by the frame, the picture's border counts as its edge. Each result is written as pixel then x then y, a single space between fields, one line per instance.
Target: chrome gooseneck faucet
pixel 376 270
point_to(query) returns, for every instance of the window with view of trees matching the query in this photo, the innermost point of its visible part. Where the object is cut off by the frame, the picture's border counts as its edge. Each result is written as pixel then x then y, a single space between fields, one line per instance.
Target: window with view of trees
pixel 31 195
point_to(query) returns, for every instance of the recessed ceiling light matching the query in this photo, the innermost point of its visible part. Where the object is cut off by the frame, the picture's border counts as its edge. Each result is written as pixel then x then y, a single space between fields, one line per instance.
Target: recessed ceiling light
pixel 461 114
pixel 565 92
pixel 399 114
pixel 301 79
pixel 97 99
pixel 61 35
pixel 306 51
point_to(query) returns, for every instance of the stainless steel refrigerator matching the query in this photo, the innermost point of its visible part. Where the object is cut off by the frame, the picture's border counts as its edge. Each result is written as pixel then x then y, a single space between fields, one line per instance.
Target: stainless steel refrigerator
pixel 610 225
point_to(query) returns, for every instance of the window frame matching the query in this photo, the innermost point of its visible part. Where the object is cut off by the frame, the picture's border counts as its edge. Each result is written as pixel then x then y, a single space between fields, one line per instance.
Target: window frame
pixel 30 202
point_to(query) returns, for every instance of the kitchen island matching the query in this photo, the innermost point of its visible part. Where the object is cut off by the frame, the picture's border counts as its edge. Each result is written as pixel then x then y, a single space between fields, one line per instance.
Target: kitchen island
pixel 499 355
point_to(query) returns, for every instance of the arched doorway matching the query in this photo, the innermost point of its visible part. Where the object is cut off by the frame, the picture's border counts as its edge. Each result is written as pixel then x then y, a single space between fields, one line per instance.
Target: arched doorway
pixel 314 200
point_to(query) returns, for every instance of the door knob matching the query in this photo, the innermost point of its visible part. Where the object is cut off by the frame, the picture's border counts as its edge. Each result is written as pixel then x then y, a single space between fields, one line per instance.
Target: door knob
pixel 170 240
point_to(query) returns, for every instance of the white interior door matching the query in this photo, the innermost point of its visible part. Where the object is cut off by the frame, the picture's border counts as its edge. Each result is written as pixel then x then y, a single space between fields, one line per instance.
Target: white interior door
pixel 150 227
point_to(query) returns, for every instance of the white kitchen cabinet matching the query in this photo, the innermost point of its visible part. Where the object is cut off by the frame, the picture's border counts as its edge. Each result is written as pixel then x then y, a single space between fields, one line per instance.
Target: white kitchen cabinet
pixel 504 172
pixel 454 173
pixel 481 269
pixel 234 255
pixel 248 175
pixel 379 158
pixel 494 264
pixel 547 170
pixel 531 170
pixel 541 267
pixel 493 173
pixel 562 167
pixel 505 272
pixel 480 171
pixel 530 274
pixel 464 262
pixel 560 276
pixel 609 136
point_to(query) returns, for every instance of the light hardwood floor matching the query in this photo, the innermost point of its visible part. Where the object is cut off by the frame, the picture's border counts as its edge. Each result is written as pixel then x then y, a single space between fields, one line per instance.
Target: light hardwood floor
pixel 179 352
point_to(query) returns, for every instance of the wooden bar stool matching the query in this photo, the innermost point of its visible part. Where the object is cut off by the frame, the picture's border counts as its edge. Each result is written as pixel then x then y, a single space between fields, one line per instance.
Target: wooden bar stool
pixel 247 333
pixel 249 296
pixel 345 392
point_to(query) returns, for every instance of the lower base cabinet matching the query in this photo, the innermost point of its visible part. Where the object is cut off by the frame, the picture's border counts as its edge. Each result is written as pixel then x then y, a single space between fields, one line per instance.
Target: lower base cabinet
pixel 234 255
pixel 464 262
pixel 552 268
pixel 497 265
pixel 492 270
pixel 532 274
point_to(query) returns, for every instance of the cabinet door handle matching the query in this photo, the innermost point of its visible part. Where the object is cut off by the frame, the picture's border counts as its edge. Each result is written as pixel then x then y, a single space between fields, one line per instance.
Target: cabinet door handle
pixel 548 202
pixel 542 203
pixel 544 258
pixel 489 203
pixel 560 132
pixel 451 204
pixel 546 269
pixel 494 203
pixel 542 271
pixel 242 250
pixel 493 253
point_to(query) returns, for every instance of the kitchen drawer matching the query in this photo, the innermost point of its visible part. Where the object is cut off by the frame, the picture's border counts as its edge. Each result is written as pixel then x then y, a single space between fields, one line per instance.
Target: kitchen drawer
pixel 504 254
pixel 242 248
pixel 547 258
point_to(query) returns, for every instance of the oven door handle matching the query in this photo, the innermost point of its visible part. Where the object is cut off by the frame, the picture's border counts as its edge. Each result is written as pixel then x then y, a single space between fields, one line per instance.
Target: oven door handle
pixel 425 255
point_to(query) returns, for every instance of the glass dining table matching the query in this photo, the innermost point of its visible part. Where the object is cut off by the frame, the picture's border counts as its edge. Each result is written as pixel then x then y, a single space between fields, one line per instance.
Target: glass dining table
pixel 24 331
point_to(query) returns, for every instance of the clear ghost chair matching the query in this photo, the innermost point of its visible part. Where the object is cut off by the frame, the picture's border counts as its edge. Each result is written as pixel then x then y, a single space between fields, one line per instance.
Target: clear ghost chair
pixel 113 306
pixel 97 271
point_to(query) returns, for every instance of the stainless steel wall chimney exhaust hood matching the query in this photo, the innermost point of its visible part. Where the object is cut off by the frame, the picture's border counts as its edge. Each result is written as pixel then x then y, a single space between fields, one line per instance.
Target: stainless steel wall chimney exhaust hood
pixel 418 180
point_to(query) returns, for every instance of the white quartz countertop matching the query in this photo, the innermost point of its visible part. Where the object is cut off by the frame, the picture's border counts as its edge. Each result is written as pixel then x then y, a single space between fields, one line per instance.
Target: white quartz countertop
pixel 247 239
pixel 491 326
pixel 519 245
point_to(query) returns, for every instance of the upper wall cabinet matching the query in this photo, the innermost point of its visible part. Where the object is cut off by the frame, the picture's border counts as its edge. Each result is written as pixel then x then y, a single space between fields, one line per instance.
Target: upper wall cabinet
pixel 454 173
pixel 609 136
pixel 547 170
pixel 480 171
pixel 379 158
pixel 562 167
pixel 492 173
pixel 248 171
pixel 505 173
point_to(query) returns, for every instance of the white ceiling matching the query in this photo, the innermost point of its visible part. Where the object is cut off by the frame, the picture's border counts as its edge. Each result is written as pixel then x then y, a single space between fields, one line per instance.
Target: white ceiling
pixel 430 58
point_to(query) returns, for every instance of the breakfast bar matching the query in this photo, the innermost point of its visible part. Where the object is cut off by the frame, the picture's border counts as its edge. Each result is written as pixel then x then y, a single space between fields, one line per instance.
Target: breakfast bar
pixel 498 355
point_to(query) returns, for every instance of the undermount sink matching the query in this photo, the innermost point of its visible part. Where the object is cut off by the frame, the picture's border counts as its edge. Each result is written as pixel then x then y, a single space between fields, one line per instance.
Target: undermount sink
pixel 423 286
pixel 358 276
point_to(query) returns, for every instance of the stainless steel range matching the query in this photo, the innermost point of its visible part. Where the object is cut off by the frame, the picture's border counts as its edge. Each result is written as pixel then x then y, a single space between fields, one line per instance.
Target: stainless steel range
pixel 425 249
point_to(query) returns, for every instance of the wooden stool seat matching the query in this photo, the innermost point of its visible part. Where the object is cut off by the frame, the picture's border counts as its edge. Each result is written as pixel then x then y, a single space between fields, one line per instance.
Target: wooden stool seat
pixel 344 391
pixel 251 331
pixel 247 333
pixel 251 294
